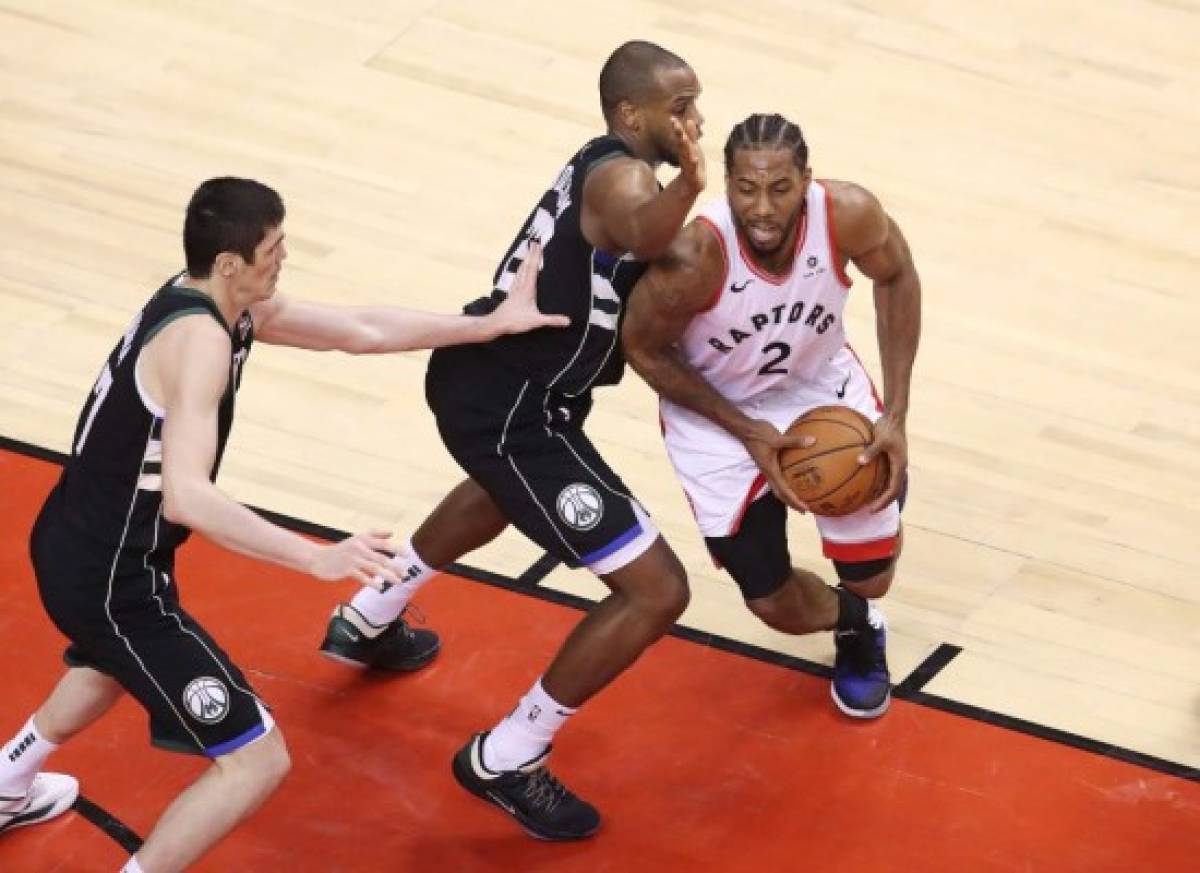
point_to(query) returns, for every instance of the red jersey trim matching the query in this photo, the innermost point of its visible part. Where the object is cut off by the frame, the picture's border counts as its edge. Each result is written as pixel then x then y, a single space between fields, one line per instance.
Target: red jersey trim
pixel 874 393
pixel 716 296
pixel 834 252
pixel 759 481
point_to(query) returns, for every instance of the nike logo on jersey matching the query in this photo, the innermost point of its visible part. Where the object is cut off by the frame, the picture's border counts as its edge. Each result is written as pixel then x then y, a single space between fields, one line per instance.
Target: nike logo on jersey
pixel 739 287
pixel 841 392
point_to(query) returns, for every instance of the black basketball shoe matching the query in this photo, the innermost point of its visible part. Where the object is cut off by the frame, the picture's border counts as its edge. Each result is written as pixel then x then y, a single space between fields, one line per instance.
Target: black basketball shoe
pixel 861 680
pixel 542 805
pixel 397 647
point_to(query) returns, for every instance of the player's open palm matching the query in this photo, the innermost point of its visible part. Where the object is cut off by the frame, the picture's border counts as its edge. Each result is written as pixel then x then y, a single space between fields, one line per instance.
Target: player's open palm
pixel 891 441
pixel 364 557
pixel 691 156
pixel 519 312
pixel 764 442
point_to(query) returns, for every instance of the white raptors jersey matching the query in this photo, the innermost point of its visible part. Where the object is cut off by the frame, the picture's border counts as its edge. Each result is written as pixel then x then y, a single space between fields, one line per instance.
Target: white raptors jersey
pixel 763 329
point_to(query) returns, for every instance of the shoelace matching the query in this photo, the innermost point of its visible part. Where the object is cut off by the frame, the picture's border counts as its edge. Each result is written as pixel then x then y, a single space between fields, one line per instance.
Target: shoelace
pixel 865 655
pixel 544 790
pixel 403 626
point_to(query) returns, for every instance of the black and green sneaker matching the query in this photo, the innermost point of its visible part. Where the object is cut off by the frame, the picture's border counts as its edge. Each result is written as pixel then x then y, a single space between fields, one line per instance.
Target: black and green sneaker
pixel 542 805
pixel 353 640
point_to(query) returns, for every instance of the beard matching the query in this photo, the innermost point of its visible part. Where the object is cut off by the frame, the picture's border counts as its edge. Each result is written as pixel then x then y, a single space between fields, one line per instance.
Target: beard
pixel 773 247
pixel 667 148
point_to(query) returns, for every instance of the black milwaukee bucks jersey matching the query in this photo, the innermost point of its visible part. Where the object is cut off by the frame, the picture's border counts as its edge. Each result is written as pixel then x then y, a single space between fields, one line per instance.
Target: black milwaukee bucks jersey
pixel 111 488
pixel 578 280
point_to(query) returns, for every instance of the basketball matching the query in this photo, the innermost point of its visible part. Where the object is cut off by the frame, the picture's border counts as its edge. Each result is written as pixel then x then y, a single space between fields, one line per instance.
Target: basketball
pixel 826 475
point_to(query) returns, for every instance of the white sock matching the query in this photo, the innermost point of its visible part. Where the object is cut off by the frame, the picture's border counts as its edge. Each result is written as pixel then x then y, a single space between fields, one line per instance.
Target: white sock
pixel 132 866
pixel 381 608
pixel 21 758
pixel 526 731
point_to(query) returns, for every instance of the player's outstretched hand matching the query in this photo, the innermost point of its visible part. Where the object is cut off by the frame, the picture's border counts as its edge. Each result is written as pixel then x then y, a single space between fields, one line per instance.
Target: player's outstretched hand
pixel 764 442
pixel 691 156
pixel 891 441
pixel 364 557
pixel 519 312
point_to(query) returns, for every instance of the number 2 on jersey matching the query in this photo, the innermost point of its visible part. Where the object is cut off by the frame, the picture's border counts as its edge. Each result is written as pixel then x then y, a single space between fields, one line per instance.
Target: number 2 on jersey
pixel 771 368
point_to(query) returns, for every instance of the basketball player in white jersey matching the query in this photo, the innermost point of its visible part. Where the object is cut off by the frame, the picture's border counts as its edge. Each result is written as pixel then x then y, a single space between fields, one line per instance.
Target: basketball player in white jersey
pixel 740 331
pixel 141 477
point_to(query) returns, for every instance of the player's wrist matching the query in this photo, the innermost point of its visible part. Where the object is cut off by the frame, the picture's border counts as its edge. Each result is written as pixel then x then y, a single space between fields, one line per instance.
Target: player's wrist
pixel 687 186
pixel 308 556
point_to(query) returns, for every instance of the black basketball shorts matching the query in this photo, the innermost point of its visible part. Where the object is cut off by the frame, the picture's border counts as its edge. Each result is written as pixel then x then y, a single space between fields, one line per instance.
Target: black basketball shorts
pixel 126 621
pixel 525 446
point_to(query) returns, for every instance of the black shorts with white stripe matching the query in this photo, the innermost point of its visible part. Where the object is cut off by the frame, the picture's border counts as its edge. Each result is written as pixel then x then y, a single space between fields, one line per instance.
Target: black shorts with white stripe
pixel 526 447
pixel 130 626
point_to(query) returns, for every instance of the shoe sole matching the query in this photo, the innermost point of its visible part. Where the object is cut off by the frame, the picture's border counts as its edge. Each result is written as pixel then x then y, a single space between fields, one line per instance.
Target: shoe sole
pixel 860 713
pixel 467 782
pixel 332 653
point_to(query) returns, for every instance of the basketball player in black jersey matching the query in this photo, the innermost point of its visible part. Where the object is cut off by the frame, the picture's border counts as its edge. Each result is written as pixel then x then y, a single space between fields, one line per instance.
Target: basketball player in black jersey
pixel 511 412
pixel 140 478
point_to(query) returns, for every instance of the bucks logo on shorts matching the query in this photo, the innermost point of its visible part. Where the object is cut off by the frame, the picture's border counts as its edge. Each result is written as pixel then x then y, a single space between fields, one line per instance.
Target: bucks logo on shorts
pixel 206 699
pixel 580 506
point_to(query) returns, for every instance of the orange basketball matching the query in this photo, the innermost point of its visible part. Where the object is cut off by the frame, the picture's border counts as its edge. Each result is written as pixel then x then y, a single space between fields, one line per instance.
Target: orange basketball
pixel 826 475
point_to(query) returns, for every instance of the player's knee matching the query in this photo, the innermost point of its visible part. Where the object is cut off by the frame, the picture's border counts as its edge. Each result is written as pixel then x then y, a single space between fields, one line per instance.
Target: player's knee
pixel 275 761
pixel 660 588
pixel 667 600
pixel 264 763
pixel 870 579
pixel 279 759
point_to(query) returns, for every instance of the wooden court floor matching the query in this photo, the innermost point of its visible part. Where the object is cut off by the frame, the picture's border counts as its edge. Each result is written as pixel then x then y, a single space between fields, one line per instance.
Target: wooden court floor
pixel 702 759
pixel 1039 157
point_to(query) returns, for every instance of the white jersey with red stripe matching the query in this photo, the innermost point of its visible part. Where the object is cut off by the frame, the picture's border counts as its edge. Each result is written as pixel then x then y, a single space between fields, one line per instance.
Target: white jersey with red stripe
pixel 775 347
pixel 762 330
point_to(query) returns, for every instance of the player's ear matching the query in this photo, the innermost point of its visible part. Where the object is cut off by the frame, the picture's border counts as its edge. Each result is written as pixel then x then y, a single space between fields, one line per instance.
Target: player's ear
pixel 226 264
pixel 630 115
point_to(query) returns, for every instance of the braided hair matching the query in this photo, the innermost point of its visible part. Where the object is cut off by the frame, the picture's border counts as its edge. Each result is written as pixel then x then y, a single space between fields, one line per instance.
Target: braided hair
pixel 761 131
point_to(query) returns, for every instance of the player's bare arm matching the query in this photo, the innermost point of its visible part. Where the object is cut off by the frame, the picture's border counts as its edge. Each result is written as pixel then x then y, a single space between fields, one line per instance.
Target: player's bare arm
pixel 186 369
pixel 361 330
pixel 874 243
pixel 623 208
pixel 672 292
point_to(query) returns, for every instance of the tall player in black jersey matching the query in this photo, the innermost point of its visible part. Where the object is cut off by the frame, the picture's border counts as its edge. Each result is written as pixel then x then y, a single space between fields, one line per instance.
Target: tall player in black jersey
pixel 511 412
pixel 140 478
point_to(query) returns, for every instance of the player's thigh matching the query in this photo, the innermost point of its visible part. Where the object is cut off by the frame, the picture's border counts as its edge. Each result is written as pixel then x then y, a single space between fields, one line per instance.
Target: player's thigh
pixel 756 556
pixel 197 698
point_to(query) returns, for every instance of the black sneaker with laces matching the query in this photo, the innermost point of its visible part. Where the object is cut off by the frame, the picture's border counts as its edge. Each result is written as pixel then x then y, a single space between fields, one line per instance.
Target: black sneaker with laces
pixel 861 679
pixel 542 805
pixel 397 647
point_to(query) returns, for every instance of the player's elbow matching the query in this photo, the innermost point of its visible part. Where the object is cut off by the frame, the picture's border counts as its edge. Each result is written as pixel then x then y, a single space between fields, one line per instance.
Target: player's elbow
pixel 179 502
pixel 649 249
pixel 638 356
pixel 654 369
pixel 365 340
